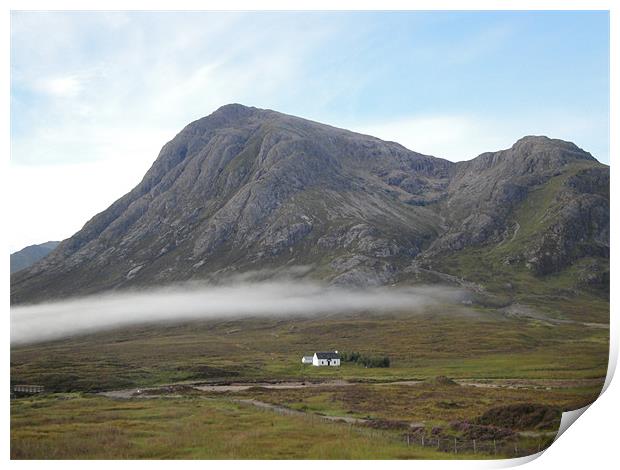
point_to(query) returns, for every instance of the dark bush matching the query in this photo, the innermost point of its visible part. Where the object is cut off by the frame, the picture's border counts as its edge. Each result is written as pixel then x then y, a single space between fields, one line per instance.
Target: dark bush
pixel 442 380
pixel 366 361
pixel 387 424
pixel 522 416
pixel 481 432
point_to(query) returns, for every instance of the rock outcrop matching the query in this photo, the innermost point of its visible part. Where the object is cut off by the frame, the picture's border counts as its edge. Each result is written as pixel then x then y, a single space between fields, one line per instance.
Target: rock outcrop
pixel 247 189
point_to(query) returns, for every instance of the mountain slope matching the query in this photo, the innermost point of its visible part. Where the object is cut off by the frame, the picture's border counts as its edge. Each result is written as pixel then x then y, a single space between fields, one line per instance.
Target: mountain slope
pixel 545 202
pixel 31 254
pixel 246 189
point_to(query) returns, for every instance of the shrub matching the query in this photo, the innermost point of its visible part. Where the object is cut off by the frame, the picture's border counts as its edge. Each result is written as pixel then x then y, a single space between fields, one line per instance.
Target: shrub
pixel 522 416
pixel 366 361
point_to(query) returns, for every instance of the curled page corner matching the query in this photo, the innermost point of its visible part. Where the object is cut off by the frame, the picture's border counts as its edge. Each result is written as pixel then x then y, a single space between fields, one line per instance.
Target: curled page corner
pixel 568 418
pixel 516 462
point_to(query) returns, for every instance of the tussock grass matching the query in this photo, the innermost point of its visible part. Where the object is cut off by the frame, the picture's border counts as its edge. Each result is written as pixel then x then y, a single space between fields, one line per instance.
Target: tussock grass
pixel 469 343
pixel 460 343
pixel 426 402
pixel 99 428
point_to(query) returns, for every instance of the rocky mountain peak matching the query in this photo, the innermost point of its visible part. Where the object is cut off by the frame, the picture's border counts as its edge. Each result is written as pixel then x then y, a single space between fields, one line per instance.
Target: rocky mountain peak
pixel 248 189
pixel 543 145
pixel 530 154
pixel 234 110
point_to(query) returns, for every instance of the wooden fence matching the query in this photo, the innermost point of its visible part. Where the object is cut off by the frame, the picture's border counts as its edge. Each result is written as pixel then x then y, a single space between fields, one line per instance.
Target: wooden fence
pixel 28 389
pixel 504 447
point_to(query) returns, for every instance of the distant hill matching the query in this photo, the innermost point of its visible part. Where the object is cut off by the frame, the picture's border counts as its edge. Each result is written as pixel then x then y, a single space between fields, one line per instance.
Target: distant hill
pixel 26 257
pixel 247 189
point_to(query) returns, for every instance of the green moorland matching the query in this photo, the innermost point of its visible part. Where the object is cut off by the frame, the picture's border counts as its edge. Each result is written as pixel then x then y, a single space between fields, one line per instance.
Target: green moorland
pixel 455 341
pixel 429 402
pixel 503 273
pixel 76 427
pixel 563 363
pixel 527 348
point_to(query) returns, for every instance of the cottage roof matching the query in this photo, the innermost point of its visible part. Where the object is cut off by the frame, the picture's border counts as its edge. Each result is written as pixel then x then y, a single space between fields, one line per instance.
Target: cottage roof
pixel 327 355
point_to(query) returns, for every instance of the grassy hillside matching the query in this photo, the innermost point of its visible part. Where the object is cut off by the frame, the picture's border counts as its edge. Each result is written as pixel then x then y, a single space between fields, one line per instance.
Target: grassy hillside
pixel 501 270
pixel 453 341
pixel 498 360
pixel 71 427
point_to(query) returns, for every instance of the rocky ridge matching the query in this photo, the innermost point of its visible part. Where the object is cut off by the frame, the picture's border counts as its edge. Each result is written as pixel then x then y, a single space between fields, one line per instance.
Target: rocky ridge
pixel 252 190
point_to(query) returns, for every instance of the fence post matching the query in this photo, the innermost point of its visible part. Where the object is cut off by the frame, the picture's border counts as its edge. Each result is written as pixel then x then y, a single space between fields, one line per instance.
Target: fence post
pixel 455 451
pixel 494 447
pixel 407 439
pixel 422 441
pixel 474 446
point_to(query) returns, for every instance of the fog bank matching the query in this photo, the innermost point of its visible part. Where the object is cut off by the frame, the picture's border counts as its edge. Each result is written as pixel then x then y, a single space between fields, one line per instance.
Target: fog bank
pixel 54 320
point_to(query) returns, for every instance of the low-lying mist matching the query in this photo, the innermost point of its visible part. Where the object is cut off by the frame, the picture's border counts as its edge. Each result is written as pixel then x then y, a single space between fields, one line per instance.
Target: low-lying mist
pixel 54 320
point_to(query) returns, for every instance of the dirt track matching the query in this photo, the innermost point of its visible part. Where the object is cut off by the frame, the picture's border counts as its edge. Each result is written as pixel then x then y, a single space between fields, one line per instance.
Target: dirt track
pixel 238 387
pixel 233 387
pixel 292 412
pixel 178 390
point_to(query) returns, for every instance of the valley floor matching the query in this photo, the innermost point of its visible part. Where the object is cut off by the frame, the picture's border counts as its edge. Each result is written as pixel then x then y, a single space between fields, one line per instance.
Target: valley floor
pixel 187 428
pixel 237 389
pixel 291 420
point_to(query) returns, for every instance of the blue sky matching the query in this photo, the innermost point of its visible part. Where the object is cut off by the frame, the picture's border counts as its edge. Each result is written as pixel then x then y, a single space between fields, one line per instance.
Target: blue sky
pixel 94 95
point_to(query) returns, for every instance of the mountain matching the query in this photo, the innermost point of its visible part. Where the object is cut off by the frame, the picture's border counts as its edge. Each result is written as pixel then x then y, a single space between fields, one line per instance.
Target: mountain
pixel 565 188
pixel 246 189
pixel 31 254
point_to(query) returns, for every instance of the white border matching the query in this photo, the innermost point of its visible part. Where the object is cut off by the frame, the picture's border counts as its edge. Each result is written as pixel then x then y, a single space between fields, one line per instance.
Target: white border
pixel 591 443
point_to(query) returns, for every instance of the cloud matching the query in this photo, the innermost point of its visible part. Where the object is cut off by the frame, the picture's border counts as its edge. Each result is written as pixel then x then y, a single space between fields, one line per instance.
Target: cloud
pixel 56 200
pixel 458 137
pixel 188 302
pixel 61 86
pixel 447 136
pixel 96 94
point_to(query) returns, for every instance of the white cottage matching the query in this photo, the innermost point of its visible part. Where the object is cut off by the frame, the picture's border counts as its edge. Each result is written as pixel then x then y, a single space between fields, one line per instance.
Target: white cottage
pixel 326 359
